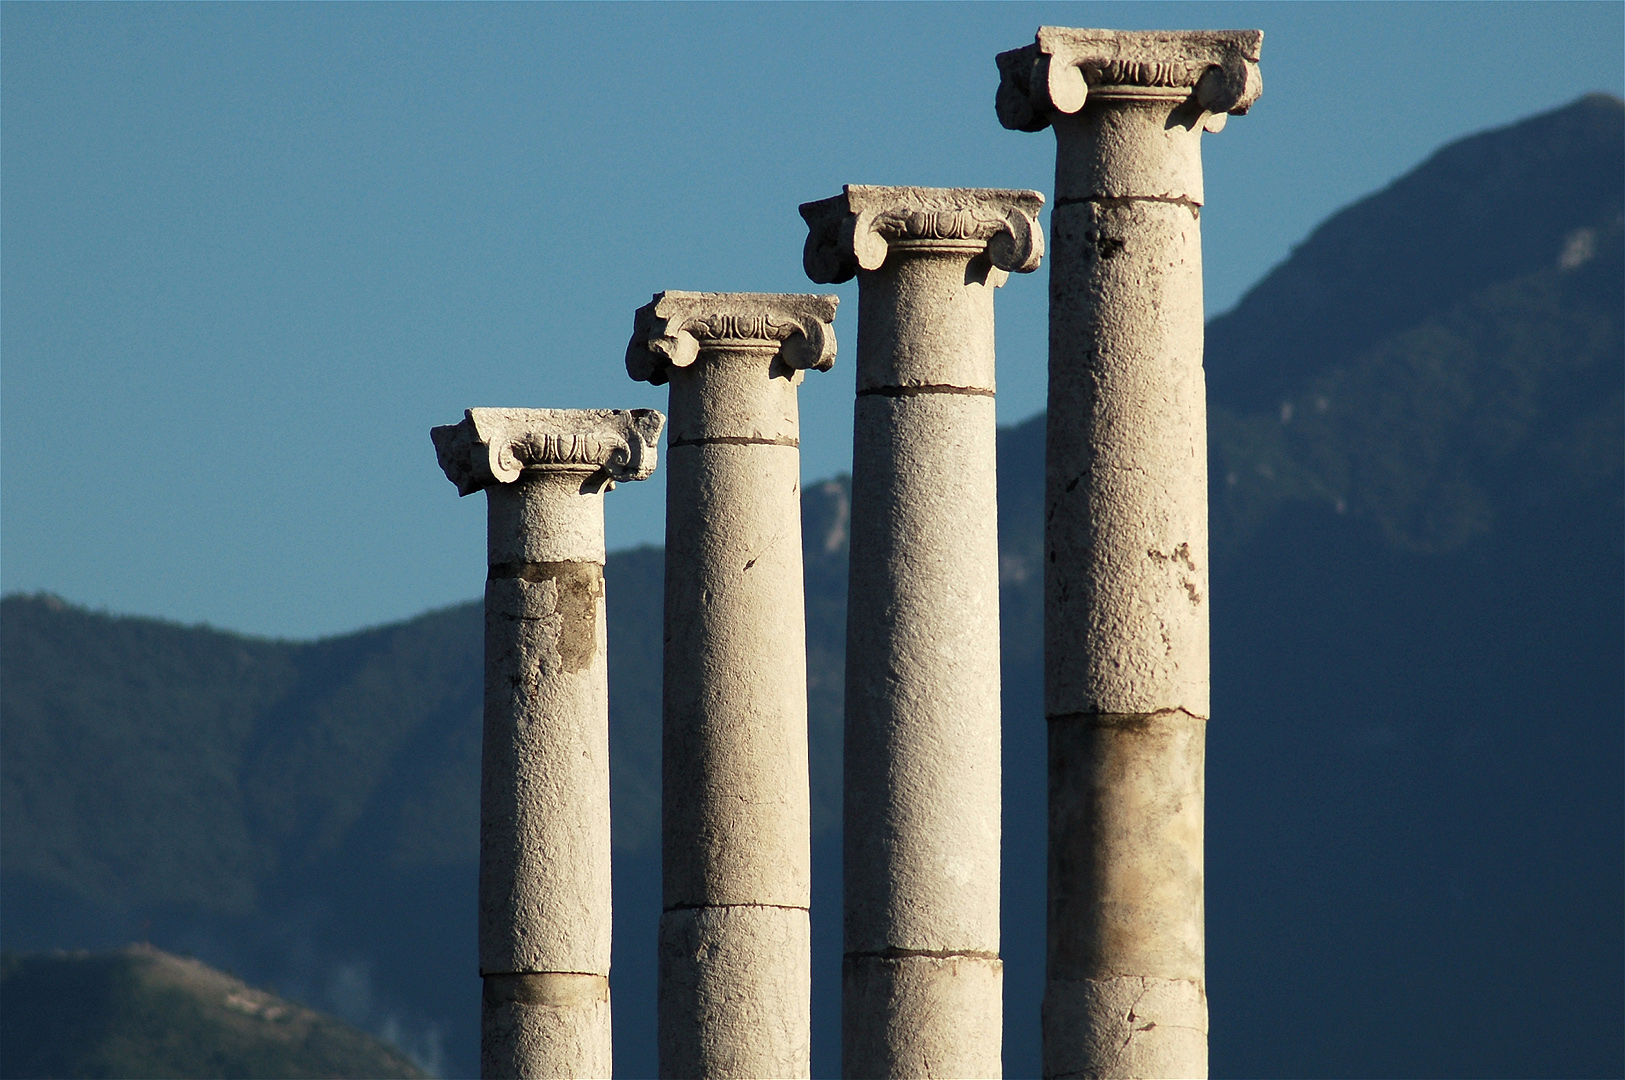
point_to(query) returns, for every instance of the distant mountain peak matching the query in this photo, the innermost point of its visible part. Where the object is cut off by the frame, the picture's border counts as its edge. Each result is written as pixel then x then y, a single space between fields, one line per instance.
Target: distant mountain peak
pixel 1484 209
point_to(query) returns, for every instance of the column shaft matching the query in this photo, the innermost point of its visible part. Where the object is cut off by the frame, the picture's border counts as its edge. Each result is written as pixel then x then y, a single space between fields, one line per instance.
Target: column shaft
pixel 1126 627
pixel 922 983
pixel 544 887
pixel 544 791
pixel 735 960
pixel 1126 539
pixel 735 944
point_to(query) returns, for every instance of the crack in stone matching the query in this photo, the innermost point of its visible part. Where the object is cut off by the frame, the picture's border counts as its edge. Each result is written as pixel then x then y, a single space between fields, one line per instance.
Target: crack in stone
pixel 1114 201
pixel 1109 1060
pixel 537 572
pixel 912 391
pixel 772 541
pixel 736 440
pixel 1122 720
pixel 724 907
pixel 892 953
pixel 1128 1039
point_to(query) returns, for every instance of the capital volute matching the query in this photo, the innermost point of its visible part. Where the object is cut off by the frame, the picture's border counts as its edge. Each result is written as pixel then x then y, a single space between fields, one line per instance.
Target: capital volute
pixel 673 329
pixel 858 229
pixel 1217 70
pixel 494 446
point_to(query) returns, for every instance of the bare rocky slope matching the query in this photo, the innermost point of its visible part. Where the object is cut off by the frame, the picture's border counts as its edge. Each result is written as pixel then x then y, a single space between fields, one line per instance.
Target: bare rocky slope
pixel 1415 774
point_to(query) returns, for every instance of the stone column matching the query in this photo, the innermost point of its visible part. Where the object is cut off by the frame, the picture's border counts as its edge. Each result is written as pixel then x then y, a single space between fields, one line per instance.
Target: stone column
pixel 1126 573
pixel 544 787
pixel 922 983
pixel 735 950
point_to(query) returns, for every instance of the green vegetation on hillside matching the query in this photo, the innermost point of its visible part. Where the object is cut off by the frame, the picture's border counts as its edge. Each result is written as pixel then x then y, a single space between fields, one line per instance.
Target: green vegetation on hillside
pixel 1498 405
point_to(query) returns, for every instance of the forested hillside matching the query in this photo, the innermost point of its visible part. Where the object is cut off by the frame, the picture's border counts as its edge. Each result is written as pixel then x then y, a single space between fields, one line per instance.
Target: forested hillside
pixel 1416 761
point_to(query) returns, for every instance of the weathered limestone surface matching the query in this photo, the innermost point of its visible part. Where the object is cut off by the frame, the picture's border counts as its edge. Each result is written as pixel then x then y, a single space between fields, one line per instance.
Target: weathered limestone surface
pixel 738 977
pixel 931 1014
pixel 544 932
pixel 735 967
pixel 545 1025
pixel 1126 578
pixel 922 982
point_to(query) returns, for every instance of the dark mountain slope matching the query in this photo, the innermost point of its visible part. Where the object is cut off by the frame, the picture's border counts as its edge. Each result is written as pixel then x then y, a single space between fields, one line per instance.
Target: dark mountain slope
pixel 167 709
pixel 1415 762
pixel 1500 405
pixel 296 811
pixel 1482 210
pixel 308 812
pixel 1414 802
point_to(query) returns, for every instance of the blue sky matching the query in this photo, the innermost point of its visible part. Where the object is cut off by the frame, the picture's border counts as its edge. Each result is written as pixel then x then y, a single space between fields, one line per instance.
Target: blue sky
pixel 251 253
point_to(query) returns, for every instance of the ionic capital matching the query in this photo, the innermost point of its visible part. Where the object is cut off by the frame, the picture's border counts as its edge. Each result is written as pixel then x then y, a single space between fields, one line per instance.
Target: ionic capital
pixel 493 446
pixel 1058 71
pixel 673 328
pixel 856 229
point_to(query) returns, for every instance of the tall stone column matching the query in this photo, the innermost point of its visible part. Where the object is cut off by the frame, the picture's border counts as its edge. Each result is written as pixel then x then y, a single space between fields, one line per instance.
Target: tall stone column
pixel 544 901
pixel 922 983
pixel 1126 571
pixel 735 949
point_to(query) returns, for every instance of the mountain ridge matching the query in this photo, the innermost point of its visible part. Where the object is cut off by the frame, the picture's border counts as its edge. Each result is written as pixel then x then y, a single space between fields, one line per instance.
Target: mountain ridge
pixel 1418 712
pixel 1368 271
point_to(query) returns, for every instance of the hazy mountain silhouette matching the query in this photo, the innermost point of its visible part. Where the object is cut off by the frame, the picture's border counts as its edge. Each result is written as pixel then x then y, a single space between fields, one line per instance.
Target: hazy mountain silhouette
pixel 1415 775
